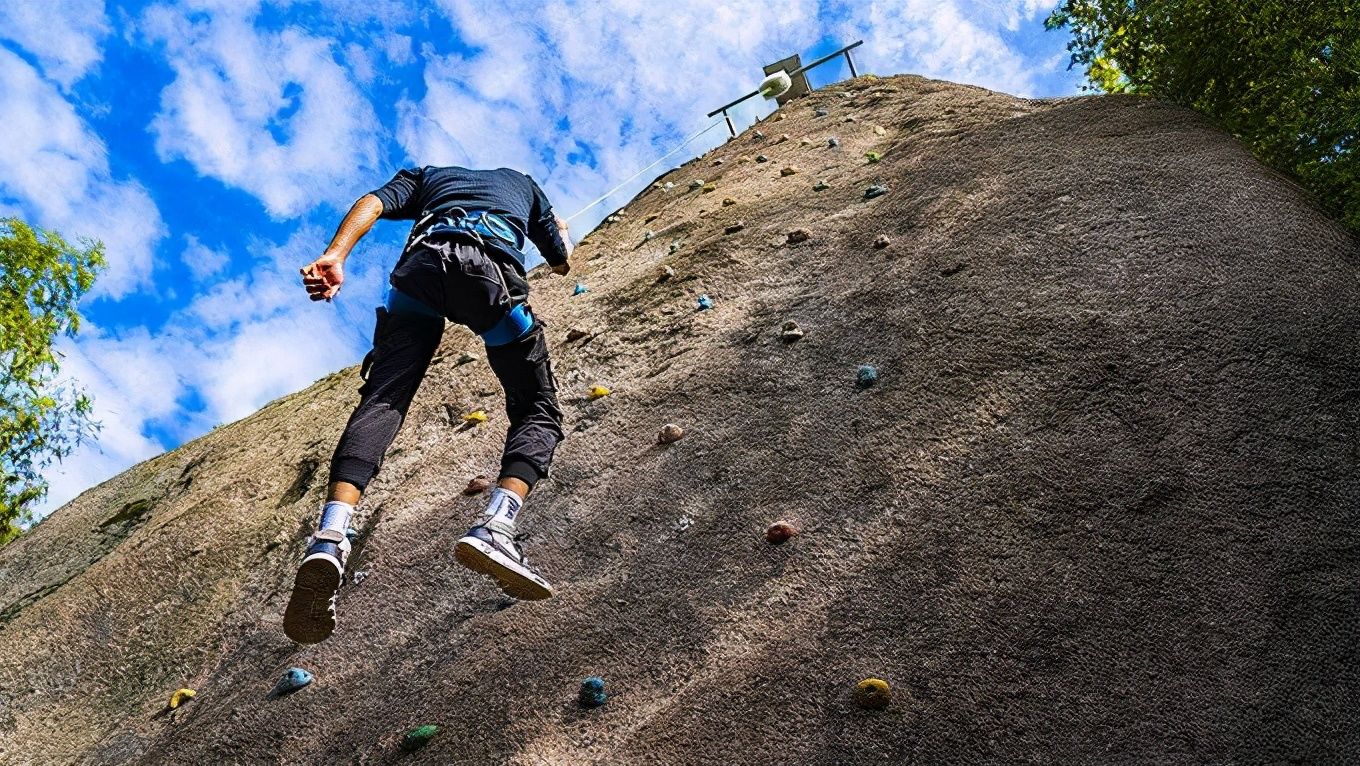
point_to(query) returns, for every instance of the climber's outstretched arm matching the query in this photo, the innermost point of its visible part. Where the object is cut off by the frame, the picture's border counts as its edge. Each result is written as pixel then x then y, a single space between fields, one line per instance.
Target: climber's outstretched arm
pixel 323 277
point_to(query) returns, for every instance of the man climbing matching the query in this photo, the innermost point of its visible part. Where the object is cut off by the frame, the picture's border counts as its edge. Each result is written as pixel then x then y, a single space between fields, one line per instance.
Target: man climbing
pixel 463 261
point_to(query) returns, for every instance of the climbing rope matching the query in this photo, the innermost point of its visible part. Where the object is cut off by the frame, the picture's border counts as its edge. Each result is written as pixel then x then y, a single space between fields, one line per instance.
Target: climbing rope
pixel 631 178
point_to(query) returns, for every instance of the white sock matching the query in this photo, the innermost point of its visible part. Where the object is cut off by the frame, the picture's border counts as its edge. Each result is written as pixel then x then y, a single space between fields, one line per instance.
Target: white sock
pixel 502 510
pixel 336 516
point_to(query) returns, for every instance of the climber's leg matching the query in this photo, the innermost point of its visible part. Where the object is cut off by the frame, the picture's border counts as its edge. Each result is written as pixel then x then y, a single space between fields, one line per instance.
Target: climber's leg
pixel 404 342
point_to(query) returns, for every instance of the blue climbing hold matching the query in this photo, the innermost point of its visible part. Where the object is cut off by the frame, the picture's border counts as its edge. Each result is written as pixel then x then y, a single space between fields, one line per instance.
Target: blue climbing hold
pixel 877 190
pixel 580 288
pixel 351 533
pixel 866 376
pixel 705 302
pixel 293 679
pixel 592 692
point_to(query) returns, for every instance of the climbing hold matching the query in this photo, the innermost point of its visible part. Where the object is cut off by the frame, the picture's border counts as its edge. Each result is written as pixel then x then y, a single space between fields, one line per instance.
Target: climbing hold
pixel 648 234
pixel 670 434
pixel 465 357
pixel 668 186
pixel 705 302
pixel 592 692
pixel 879 130
pixel 666 272
pixel 762 158
pixel 877 190
pixel 709 187
pixel 180 697
pixel 743 160
pixel 833 142
pixel 651 218
pixel 788 171
pixel 351 533
pixel 873 694
pixel 734 228
pixel 580 288
pixel 821 186
pixel 757 135
pixel 683 523
pixel 873 157
pixel 805 142
pixel 819 112
pixel 360 575
pixel 675 247
pixel 782 138
pixel 779 533
pixel 475 417
pixel 850 118
pixel 717 162
pixel 798 235
pixel 728 202
pixel 575 334
pixel 293 679
pixel 882 241
pixel 418 737
pixel 598 392
pixel 791 332
pixel 697 183
pixel 477 485
pixel 778 116
pixel 613 218
pixel 866 376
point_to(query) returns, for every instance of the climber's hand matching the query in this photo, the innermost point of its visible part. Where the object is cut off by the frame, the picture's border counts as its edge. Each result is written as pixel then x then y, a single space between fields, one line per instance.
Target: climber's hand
pixel 561 269
pixel 323 277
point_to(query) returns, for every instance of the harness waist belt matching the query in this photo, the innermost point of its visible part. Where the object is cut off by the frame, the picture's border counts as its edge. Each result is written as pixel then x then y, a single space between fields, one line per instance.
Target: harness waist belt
pixel 479 223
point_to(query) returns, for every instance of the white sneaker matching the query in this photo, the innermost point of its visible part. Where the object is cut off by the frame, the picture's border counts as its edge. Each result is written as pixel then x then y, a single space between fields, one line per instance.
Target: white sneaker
pixel 310 616
pixel 495 553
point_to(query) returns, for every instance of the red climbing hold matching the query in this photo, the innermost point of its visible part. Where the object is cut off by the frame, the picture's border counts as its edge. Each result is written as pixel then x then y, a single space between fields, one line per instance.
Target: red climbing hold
pixel 779 533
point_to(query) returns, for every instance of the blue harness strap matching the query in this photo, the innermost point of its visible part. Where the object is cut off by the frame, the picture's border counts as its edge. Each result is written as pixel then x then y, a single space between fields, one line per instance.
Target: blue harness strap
pixel 399 302
pixel 511 328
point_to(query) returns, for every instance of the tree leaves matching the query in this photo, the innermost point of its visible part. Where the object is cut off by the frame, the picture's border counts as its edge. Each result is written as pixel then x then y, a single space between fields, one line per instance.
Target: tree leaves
pixel 1283 76
pixel 42 278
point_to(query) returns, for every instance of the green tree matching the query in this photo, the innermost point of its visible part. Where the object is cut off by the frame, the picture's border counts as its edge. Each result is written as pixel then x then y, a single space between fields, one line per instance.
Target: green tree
pixel 42 278
pixel 1282 75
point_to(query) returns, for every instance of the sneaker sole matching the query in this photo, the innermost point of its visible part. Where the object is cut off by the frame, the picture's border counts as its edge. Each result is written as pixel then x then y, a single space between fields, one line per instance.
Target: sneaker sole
pixel 483 559
pixel 310 618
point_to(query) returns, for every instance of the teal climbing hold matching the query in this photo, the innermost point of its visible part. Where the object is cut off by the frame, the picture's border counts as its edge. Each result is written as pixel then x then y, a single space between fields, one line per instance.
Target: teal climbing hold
pixel 418 737
pixel 705 302
pixel 580 288
pixel 866 376
pixel 351 533
pixel 877 190
pixel 293 679
pixel 592 692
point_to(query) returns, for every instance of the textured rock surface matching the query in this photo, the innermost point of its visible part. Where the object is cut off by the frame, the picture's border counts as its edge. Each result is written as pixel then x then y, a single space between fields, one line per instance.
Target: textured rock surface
pixel 1101 506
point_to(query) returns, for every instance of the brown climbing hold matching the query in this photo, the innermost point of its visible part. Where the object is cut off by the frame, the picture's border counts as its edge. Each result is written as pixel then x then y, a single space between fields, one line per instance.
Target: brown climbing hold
pixel 670 434
pixel 575 334
pixel 728 202
pixel 651 218
pixel 666 273
pixel 882 241
pixel 477 485
pixel 734 228
pixel 779 533
pixel 717 162
pixel 783 137
pixel 799 235
pixel 788 171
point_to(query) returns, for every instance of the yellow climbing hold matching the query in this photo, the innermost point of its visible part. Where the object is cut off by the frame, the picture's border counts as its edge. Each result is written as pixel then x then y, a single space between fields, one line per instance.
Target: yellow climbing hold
pixel 476 416
pixel 873 693
pixel 599 392
pixel 180 697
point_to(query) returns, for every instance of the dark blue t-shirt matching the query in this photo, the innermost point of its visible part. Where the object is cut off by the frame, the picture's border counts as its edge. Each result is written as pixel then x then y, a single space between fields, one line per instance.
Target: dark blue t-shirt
pixel 413 192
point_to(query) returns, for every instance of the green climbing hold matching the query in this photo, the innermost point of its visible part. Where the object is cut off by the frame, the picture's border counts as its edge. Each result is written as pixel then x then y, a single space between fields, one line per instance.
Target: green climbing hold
pixel 592 692
pixel 873 156
pixel 418 737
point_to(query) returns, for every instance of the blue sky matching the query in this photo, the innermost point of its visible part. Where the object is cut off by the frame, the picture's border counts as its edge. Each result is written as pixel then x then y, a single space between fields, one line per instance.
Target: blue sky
pixel 214 144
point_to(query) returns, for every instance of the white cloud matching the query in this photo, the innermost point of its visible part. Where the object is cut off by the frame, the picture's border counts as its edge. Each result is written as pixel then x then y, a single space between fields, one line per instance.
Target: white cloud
pixel 54 170
pixel 63 35
pixel 270 112
pixel 200 260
